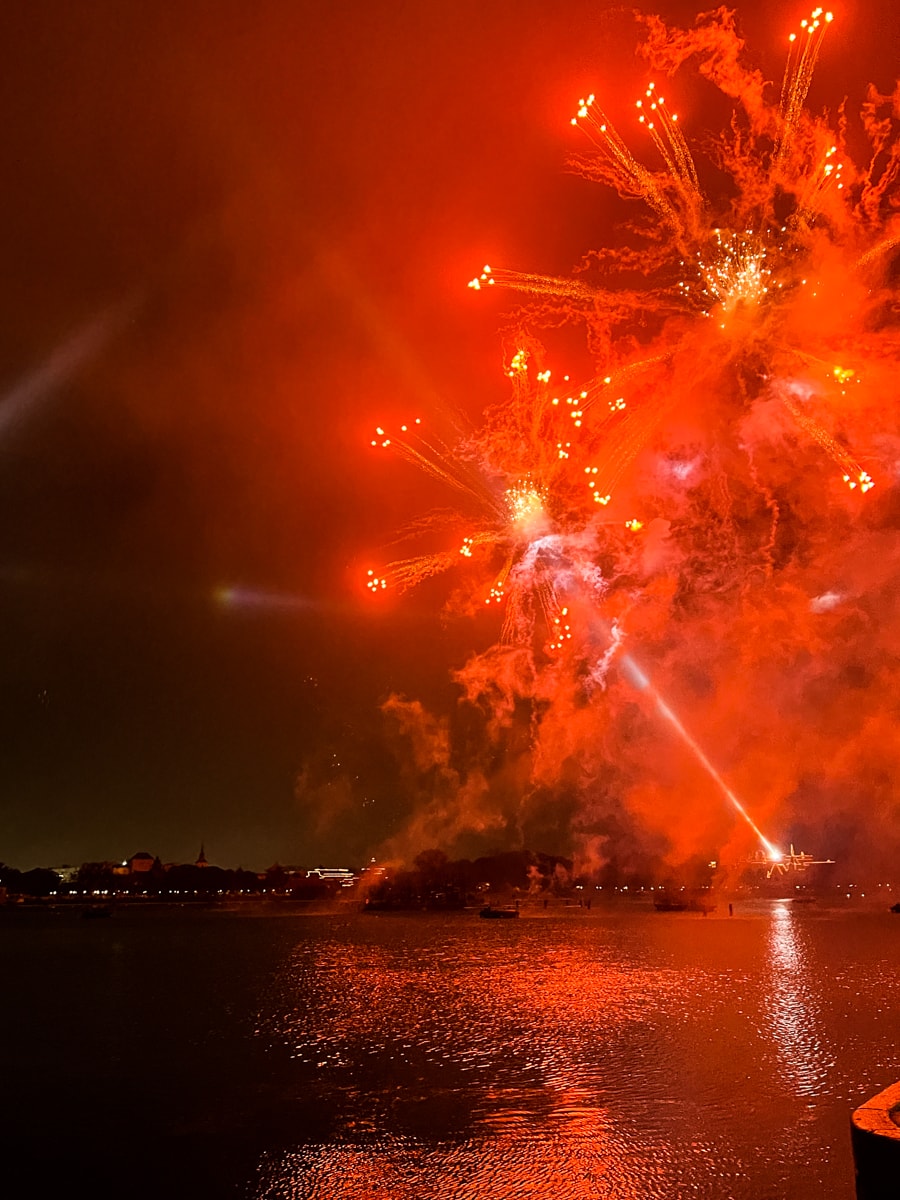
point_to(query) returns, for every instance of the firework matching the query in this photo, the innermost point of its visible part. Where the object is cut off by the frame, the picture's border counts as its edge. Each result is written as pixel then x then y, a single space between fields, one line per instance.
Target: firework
pixel 682 496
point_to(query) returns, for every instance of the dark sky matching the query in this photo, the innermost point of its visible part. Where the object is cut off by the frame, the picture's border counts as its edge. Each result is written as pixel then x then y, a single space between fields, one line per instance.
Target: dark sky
pixel 233 238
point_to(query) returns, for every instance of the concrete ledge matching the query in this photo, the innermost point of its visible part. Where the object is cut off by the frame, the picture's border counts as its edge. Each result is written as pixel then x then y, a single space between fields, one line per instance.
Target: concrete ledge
pixel 875 1136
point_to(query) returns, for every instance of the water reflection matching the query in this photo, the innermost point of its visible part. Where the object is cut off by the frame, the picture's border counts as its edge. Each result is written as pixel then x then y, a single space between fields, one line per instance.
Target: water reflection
pixel 490 1067
pixel 501 1168
pixel 629 1056
pixel 792 1018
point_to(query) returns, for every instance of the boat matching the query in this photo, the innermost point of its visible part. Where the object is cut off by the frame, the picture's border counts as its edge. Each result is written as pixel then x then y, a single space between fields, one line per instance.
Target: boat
pixel 498 914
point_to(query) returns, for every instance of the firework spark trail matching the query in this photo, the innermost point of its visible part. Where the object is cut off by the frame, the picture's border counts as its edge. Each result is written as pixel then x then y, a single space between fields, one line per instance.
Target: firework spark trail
pixel 607 387
pixel 854 475
pixel 798 74
pixel 640 681
pixel 671 144
pixel 437 460
pixel 615 165
pixel 535 285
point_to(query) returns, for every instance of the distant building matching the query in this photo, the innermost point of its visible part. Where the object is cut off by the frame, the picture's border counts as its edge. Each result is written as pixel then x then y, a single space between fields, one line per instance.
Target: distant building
pixel 201 858
pixel 140 863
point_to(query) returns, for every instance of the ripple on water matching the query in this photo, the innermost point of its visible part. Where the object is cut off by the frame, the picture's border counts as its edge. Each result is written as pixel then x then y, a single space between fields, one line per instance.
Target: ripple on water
pixel 502 1167
pixel 616 1057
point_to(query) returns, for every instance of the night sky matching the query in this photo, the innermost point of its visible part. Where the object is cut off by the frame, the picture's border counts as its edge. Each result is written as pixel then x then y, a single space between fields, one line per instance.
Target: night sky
pixel 234 238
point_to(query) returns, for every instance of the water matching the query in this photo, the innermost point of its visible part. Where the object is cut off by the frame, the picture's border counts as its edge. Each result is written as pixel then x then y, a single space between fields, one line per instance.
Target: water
pixel 616 1053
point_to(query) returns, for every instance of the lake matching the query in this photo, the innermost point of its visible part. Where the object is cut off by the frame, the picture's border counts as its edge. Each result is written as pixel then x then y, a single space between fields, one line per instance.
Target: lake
pixel 616 1053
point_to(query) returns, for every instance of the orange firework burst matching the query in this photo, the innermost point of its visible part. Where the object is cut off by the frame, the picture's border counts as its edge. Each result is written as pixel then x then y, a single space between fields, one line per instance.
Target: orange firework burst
pixel 520 525
pixel 738 270
pixel 744 344
pixel 745 270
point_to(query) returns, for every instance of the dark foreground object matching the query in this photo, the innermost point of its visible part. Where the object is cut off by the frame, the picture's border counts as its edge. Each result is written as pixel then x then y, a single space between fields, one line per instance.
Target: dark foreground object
pixel 875 1135
pixel 684 903
pixel 498 913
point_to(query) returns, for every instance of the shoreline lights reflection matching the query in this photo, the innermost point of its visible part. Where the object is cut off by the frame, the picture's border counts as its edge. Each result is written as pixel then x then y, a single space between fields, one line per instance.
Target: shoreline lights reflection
pixel 804 1057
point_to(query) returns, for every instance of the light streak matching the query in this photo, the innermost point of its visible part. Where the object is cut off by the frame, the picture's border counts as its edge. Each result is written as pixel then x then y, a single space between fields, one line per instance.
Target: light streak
pixel 258 600
pixel 642 683
pixel 64 361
